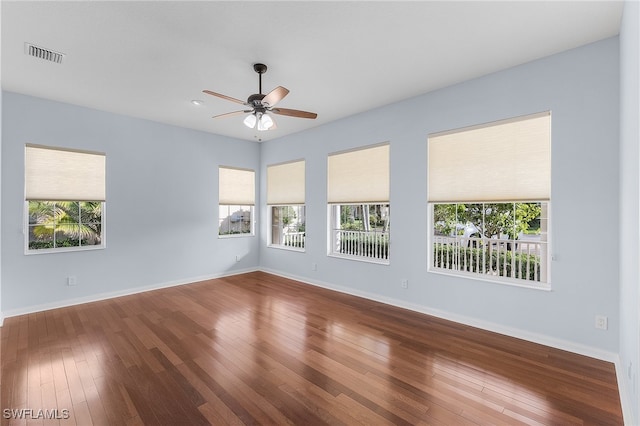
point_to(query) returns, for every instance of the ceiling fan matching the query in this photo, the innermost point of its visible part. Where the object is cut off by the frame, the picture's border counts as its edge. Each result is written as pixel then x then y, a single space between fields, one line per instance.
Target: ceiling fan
pixel 261 105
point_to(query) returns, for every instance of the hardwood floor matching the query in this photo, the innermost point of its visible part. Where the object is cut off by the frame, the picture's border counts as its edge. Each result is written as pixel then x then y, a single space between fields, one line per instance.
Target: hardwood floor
pixel 260 349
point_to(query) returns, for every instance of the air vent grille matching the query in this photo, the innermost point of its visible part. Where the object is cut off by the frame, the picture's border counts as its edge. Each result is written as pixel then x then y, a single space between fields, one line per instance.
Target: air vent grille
pixel 43 53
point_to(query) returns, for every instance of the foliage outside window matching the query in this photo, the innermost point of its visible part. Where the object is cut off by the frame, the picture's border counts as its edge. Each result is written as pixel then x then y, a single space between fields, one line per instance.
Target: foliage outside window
pixel 235 220
pixel 64 224
pixel 506 241
pixel 360 231
pixel 288 226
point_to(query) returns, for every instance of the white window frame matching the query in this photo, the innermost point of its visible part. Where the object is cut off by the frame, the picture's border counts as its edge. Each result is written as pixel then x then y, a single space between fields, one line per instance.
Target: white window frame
pixel 295 240
pixel 363 251
pixel 500 246
pixel 29 251
pixel 251 210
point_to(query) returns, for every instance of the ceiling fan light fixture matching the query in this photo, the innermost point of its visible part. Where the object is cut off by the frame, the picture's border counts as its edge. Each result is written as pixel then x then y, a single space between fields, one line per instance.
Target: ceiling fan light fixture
pixel 250 121
pixel 265 122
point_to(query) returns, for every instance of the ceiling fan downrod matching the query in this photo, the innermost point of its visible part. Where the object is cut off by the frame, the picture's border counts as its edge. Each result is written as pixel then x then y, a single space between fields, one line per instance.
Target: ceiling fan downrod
pixel 260 69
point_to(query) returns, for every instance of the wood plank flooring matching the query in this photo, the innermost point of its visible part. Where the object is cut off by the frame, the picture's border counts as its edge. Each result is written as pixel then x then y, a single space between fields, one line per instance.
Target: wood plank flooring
pixel 261 349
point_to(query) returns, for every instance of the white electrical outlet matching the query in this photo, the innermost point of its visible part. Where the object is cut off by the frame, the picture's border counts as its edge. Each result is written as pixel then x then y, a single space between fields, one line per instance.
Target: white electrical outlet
pixel 601 322
pixel 71 280
pixel 237 258
pixel 405 283
pixel 314 266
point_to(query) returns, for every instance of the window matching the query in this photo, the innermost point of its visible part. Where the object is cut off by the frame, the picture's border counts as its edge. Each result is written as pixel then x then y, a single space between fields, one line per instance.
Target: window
pixel 361 231
pixel 506 240
pixel 286 198
pixel 489 195
pixel 236 201
pixel 64 199
pixel 358 197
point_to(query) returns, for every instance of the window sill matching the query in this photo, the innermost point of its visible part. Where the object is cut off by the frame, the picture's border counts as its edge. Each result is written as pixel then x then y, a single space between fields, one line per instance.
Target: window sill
pixel 28 252
pixel 502 281
pixel 225 236
pixel 359 259
pixel 286 248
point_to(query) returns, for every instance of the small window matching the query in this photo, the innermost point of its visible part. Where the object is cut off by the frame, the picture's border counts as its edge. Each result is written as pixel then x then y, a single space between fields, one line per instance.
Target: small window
pixel 286 198
pixel 236 202
pixel 288 227
pixel 64 199
pixel 358 197
pixel 235 220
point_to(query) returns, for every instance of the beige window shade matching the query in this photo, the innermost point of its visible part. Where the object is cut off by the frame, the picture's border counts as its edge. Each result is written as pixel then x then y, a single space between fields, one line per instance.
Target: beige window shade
pixel 55 174
pixel 285 183
pixel 360 176
pixel 509 160
pixel 237 186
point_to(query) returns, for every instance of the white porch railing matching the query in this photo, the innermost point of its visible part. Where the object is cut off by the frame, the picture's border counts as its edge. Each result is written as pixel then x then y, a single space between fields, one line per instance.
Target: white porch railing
pixel 373 245
pixel 294 239
pixel 519 259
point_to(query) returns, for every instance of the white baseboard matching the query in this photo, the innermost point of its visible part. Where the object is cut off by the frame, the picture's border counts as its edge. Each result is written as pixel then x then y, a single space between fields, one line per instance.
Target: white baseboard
pixel 126 292
pixel 626 398
pixel 461 319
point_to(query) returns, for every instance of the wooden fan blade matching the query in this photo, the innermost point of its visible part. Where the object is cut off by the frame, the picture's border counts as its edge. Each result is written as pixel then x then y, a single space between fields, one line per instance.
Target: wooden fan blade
pixel 275 96
pixel 294 113
pixel 229 98
pixel 229 114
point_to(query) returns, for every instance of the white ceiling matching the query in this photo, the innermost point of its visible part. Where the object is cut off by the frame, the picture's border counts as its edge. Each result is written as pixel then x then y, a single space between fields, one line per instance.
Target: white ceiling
pixel 150 59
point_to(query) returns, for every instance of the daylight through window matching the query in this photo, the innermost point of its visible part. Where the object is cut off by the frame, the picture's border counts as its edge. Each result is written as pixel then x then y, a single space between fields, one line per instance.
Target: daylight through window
pixel 490 210
pixel 358 196
pixel 64 199
pixel 286 201
pixel 236 201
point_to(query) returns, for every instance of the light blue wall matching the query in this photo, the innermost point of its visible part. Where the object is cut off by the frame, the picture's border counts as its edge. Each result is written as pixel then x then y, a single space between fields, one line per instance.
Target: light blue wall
pixel 161 212
pixel 581 88
pixel 630 203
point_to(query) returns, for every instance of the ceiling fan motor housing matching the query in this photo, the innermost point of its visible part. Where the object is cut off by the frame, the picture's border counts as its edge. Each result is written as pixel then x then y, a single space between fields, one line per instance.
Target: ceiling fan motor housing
pixel 255 99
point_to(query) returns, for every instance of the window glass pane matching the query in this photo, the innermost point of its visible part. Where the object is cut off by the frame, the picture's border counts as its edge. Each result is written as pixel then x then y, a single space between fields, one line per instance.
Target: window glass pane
pixel 235 219
pixel 67 235
pixel 361 231
pixel 59 224
pixel 288 226
pixel 502 240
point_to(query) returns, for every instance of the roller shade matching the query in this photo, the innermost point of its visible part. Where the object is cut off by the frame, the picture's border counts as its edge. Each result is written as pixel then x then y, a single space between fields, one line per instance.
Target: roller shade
pixel 237 186
pixel 58 174
pixel 360 176
pixel 285 183
pixel 509 160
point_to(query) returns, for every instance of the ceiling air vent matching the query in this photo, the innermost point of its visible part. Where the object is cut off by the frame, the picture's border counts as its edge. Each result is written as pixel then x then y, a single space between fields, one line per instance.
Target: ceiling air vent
pixel 42 53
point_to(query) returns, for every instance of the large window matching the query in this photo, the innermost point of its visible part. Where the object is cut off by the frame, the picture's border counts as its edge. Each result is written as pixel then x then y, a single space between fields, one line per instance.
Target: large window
pixel 286 198
pixel 358 197
pixel 489 195
pixel 64 199
pixel 236 201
